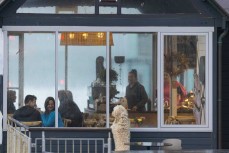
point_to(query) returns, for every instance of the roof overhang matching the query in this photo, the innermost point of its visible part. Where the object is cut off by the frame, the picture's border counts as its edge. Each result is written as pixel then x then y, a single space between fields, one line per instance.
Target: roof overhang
pixel 223 5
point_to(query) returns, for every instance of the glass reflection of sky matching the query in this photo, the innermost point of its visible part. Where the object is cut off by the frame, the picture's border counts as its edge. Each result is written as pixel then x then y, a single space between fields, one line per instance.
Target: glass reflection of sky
pixel 77 10
pixel 39 68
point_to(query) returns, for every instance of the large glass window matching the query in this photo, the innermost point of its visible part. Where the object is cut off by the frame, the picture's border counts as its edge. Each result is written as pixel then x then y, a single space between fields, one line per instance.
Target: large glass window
pixel 160 78
pixel 31 68
pixel 184 79
pixel 81 63
pixel 133 57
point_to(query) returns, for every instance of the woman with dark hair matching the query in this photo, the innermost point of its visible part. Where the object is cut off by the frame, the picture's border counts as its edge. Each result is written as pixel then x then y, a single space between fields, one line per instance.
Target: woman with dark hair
pixel 135 93
pixel 48 118
pixel 11 98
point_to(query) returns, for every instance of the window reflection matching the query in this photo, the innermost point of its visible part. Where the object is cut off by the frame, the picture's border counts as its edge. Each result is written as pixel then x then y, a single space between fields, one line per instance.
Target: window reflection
pixel 82 69
pixel 133 57
pixel 31 68
pixel 58 7
pixel 184 79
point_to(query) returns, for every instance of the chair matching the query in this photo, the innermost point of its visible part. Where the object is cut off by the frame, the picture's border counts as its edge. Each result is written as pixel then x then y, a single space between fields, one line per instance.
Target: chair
pixel 172 120
pixel 10 115
pixel 66 122
pixel 175 144
pixel 33 123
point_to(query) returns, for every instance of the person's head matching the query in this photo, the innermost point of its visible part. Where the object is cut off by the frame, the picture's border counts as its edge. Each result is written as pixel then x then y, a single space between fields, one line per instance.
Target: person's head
pixel 69 95
pixel 132 76
pixel 49 104
pixel 30 100
pixel 11 96
pixel 64 95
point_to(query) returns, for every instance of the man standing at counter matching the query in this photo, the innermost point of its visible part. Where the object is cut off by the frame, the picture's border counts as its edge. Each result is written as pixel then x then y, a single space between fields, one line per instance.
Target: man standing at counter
pixel 135 93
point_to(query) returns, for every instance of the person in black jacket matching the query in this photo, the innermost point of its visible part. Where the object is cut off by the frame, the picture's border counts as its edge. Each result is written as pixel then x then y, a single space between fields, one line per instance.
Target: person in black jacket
pixel 28 112
pixel 68 109
pixel 135 93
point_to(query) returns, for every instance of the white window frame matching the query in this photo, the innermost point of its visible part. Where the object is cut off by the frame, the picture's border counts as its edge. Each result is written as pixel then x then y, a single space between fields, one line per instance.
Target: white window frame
pixel 208 78
pixel 161 31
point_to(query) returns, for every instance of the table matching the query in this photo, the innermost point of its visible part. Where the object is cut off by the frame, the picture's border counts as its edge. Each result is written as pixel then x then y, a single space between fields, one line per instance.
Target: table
pixel 148 144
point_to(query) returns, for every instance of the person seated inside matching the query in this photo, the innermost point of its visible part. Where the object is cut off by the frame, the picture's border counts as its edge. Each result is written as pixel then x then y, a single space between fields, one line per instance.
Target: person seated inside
pixel 48 117
pixel 11 98
pixel 68 108
pixel 181 91
pixel 28 113
pixel 135 93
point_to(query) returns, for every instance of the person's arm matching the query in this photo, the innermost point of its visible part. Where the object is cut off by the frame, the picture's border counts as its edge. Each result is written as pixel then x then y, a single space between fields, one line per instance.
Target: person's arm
pixel 50 121
pixel 144 97
pixel 38 116
pixel 60 122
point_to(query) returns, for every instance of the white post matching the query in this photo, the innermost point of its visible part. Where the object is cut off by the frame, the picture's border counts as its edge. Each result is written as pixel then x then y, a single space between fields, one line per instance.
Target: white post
pixel 109 143
pixel 29 145
pixel 43 141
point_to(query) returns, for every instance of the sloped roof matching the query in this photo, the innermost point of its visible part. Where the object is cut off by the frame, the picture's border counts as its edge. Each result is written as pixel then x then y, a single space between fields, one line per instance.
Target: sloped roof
pixel 224 4
pixel 1 1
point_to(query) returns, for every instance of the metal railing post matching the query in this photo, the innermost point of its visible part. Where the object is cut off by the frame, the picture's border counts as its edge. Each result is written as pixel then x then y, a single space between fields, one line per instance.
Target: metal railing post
pixel 43 141
pixel 29 146
pixel 30 142
pixel 109 143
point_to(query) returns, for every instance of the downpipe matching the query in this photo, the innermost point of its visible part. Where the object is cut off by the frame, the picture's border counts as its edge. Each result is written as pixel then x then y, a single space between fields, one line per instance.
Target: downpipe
pixel 219 100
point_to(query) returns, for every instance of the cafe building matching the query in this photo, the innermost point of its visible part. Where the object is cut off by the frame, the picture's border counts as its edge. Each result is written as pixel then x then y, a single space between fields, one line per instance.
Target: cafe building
pixel 90 48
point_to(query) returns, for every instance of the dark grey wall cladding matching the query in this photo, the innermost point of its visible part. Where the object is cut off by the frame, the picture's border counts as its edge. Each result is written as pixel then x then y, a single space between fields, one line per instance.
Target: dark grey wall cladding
pixel 84 20
pixel 1 92
pixel 189 140
pixel 225 95
pixel 70 134
pixel 4 142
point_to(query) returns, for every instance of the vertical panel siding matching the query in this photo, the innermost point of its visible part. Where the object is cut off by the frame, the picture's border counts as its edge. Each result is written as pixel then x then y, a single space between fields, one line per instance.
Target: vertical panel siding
pixel 225 93
pixel 1 101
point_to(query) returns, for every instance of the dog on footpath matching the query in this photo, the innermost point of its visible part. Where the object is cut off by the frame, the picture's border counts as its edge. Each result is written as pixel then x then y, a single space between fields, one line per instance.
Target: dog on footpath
pixel 120 128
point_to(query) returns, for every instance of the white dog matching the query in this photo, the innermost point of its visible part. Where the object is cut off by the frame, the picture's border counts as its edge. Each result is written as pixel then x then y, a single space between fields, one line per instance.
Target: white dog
pixel 123 102
pixel 120 128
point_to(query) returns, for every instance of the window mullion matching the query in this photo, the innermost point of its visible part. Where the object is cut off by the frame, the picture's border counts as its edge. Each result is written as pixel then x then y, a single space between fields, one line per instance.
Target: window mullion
pixel 107 77
pixel 160 114
pixel 56 79
pixel 5 78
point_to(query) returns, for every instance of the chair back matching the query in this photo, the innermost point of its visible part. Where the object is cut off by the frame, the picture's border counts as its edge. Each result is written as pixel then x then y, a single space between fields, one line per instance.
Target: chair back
pixel 175 144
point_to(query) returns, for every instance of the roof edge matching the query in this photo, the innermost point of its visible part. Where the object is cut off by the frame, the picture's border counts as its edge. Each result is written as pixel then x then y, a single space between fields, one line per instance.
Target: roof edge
pixel 219 8
pixel 2 5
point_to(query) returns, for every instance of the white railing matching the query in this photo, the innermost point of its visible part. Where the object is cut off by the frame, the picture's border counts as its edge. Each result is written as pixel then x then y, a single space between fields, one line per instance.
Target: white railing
pixel 72 145
pixel 17 139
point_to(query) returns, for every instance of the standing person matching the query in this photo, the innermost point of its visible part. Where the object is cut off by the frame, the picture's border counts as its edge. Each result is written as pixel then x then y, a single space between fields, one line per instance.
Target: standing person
pixel 135 93
pixel 11 99
pixel 48 117
pixel 28 112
